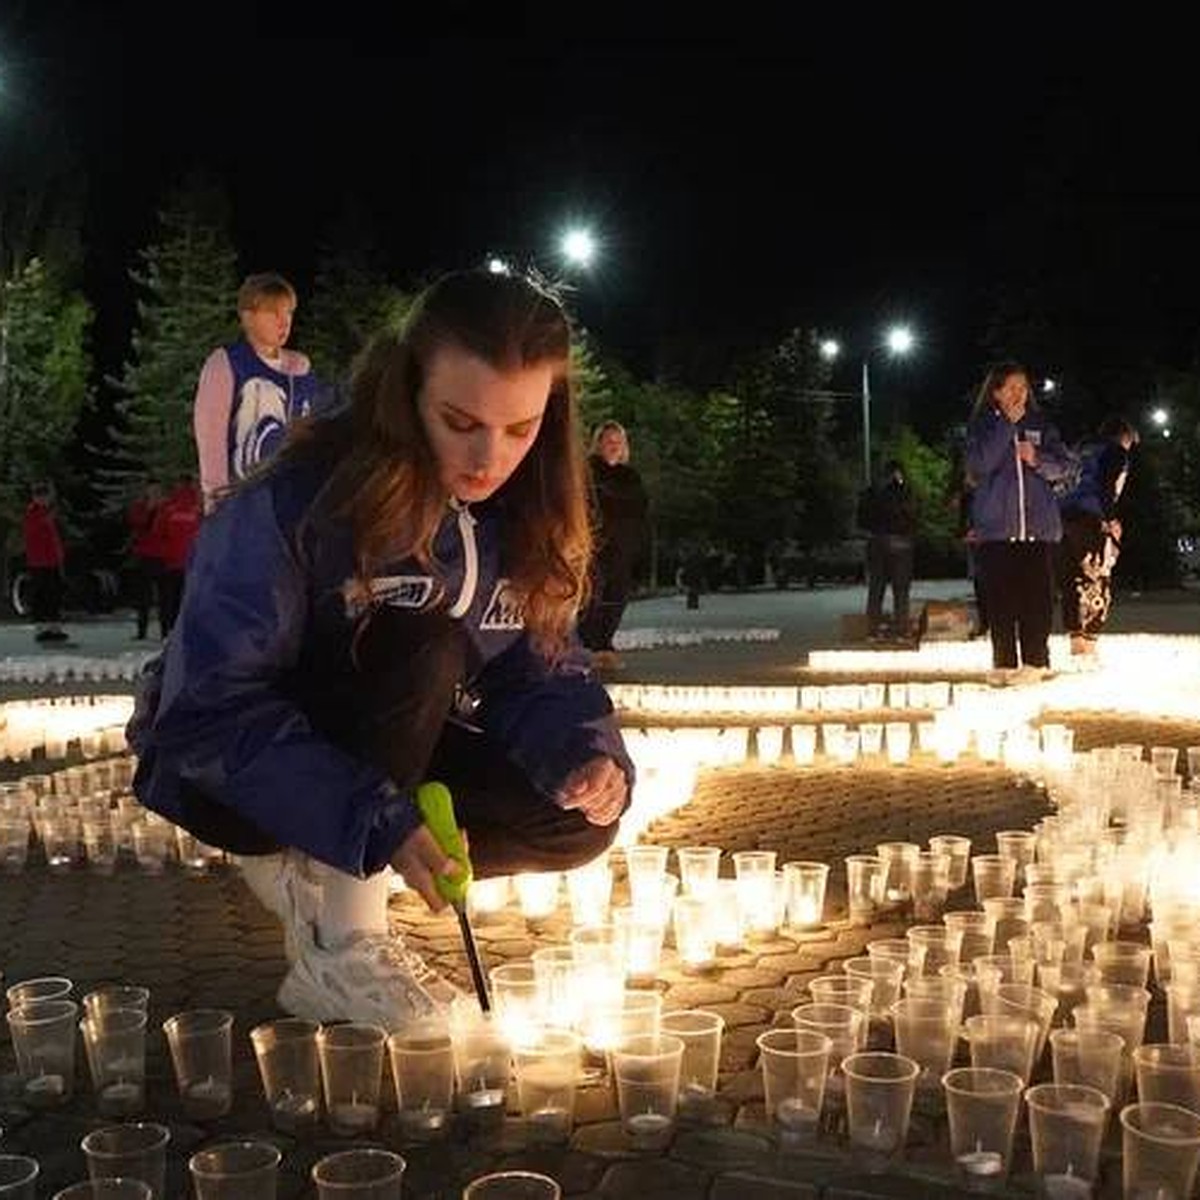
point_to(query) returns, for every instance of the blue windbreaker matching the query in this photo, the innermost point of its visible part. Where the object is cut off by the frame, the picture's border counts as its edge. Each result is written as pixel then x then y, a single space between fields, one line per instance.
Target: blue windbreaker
pixel 1013 501
pixel 258 667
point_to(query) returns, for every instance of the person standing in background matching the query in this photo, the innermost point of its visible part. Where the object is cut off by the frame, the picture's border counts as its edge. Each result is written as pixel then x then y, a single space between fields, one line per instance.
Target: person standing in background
pixel 1092 533
pixel 887 514
pixel 1015 455
pixel 144 551
pixel 45 560
pixel 620 508
pixel 250 391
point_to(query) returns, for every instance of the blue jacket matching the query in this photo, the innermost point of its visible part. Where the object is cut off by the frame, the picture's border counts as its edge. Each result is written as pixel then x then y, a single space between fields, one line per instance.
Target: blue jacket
pixel 1013 501
pixel 1102 476
pixel 258 670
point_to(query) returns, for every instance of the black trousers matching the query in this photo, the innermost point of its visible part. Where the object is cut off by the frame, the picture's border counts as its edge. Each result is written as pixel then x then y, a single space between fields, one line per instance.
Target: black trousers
pixel 612 581
pixel 45 595
pixel 145 588
pixel 1018 592
pixel 170 595
pixel 889 564
pixel 410 667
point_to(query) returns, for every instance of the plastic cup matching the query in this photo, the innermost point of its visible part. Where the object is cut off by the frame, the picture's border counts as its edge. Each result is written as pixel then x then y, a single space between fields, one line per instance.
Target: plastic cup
pixel 994 877
pixel 135 1151
pixel 695 935
pixel 642 932
pixel 795 1067
pixel 634 1013
pixel 647 1071
pixel 845 1027
pixel 1006 1043
pixel 515 999
pixel 645 867
pixel 18 1177
pixel 558 991
pixel 1021 1000
pixel 290 1069
pixel 930 885
pixel 201 1053
pixel 942 945
pixel 423 1071
pixel 236 1171
pixel 44 987
pixel 982 1105
pixel 700 1033
pixel 1087 1056
pixel 1167 1074
pixel 43 1037
pixel 1160 1146
pixel 854 992
pixel 910 959
pixel 976 931
pixel 547 1070
pixel 755 871
pixel 115 1041
pixel 805 884
pixel 883 974
pixel 1066 1125
pixel 699 868
pixel 115 996
pixel 1122 962
pixel 512 1185
pixel 865 879
pixel 364 1174
pixel 959 850
pixel 947 988
pixel 926 1033
pixel 1018 846
pixel 351 1058
pixel 879 1096
pixel 482 1057
pixel 109 1189
pixel 899 863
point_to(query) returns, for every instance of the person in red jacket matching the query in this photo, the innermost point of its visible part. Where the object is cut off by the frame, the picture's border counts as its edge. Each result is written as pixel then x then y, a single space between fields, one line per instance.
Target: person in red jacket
pixel 143 548
pixel 174 530
pixel 44 560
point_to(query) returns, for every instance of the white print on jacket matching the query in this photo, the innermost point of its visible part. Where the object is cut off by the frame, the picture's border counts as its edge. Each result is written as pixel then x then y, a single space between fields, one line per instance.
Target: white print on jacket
pixel 504 610
pixel 398 591
pixel 261 420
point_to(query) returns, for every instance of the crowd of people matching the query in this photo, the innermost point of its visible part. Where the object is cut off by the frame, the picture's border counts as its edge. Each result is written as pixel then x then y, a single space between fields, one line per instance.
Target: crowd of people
pixel 421 584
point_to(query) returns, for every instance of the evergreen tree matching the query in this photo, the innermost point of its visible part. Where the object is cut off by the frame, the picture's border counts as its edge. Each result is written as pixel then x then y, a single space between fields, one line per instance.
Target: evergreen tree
pixel 188 282
pixel 351 302
pixel 44 365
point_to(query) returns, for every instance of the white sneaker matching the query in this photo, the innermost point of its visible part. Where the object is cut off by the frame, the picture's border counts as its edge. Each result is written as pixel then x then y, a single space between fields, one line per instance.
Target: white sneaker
pixel 370 977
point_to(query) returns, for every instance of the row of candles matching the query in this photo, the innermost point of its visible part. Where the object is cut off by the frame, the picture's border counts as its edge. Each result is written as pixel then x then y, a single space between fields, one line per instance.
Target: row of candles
pixel 67 668
pixel 49 727
pixel 834 697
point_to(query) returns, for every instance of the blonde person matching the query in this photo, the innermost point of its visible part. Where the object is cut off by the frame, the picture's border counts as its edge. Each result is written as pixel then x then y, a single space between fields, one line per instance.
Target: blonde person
pixel 391 602
pixel 252 389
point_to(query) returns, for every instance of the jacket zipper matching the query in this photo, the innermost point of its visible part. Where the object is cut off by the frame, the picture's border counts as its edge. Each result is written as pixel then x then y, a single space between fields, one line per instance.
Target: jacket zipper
pixel 466 530
pixel 1020 485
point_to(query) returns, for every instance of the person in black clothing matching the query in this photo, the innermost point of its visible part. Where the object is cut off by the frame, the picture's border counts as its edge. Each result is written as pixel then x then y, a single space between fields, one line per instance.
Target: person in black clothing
pixel 886 513
pixel 620 509
pixel 1092 533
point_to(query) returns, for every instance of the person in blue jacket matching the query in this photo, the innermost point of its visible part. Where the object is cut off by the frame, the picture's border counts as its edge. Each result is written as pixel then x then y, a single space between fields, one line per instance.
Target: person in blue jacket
pixel 1092 532
pixel 1015 457
pixel 392 600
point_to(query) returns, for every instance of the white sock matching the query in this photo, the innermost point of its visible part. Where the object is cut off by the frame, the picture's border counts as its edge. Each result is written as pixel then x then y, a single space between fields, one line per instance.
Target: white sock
pixel 351 906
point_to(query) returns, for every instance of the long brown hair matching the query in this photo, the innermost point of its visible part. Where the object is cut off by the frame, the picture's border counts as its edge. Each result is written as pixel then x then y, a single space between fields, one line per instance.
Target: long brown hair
pixel 385 479
pixel 985 398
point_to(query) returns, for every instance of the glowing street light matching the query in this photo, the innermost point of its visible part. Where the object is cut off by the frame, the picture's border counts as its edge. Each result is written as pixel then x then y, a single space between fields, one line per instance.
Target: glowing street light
pixel 1049 387
pixel 497 266
pixel 579 247
pixel 830 348
pixel 1160 417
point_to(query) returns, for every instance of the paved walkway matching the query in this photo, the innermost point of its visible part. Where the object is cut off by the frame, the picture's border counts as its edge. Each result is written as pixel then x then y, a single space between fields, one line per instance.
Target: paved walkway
pixel 204 941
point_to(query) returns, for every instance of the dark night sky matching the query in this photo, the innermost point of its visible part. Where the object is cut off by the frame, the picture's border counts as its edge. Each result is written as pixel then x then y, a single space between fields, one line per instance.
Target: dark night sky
pixel 745 174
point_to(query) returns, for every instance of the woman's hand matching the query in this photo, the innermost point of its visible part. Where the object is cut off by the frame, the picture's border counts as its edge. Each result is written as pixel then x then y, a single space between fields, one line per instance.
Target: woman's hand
pixel 598 789
pixel 419 860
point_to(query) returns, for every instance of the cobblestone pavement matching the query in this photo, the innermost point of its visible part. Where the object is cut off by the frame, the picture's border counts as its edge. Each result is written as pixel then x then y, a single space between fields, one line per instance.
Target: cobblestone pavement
pixel 203 941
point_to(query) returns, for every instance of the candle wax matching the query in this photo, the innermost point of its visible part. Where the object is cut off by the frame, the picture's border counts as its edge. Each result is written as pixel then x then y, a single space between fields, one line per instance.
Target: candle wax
pixel 1066 1187
pixel 981 1162
pixel 293 1111
pixel 207 1099
pixel 353 1116
pixel 45 1089
pixel 549 1122
pixel 483 1097
pixel 648 1124
pixel 123 1096
pixel 793 1114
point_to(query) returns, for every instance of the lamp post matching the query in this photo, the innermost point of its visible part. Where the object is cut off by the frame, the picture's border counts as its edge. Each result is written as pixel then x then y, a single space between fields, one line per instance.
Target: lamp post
pixel 578 247
pixel 898 342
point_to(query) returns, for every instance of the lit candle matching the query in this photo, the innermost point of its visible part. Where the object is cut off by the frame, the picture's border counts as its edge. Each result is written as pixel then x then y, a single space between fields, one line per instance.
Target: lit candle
pixel 549 1123
pixel 350 1117
pixel 649 1127
pixel 121 1098
pixel 981 1162
pixel 294 1112
pixel 45 1089
pixel 794 1116
pixel 1066 1187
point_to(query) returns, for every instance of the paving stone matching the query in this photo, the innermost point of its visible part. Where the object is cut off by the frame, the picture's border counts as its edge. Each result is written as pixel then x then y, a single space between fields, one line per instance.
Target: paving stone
pixel 742 1186
pixel 719 1149
pixel 652 1179
pixel 604 1138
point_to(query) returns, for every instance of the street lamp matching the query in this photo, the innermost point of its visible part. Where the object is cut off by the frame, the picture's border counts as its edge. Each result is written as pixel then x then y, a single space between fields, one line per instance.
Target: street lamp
pixel 898 341
pixel 578 247
pixel 1160 417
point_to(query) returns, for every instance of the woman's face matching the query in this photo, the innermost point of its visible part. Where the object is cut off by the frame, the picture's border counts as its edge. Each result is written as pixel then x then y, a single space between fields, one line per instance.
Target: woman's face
pixel 1012 396
pixel 480 422
pixel 612 446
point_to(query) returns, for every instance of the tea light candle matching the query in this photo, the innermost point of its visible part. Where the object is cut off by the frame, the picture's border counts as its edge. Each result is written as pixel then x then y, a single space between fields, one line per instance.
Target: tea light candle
pixel 879 1136
pixel 123 1096
pixel 648 1124
pixel 46 1088
pixel 794 1116
pixel 353 1116
pixel 423 1120
pixel 549 1122
pixel 293 1112
pixel 482 1096
pixel 207 1099
pixel 1066 1187
pixel 981 1162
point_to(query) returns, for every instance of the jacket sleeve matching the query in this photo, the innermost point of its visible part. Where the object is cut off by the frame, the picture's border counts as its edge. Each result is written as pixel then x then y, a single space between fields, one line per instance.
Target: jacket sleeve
pixel 224 721
pixel 550 719
pixel 989 443
pixel 210 423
